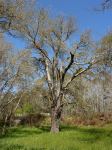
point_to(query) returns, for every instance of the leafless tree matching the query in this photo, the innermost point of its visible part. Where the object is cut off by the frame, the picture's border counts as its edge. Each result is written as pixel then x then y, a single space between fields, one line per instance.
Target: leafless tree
pixel 50 38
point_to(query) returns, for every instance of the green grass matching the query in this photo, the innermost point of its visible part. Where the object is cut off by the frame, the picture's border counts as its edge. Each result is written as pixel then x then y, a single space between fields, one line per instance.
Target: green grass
pixel 70 138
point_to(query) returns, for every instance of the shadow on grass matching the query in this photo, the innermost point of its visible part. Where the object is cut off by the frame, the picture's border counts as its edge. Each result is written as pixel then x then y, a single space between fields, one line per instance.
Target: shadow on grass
pixel 45 128
pixel 85 134
pixel 25 132
pixel 89 135
pixel 68 128
pixel 90 130
pixel 12 147
pixel 18 147
pixel 21 132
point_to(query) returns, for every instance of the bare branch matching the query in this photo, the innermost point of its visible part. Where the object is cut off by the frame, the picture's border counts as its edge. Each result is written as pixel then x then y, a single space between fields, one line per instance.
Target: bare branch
pixel 42 51
pixel 79 72
pixel 68 67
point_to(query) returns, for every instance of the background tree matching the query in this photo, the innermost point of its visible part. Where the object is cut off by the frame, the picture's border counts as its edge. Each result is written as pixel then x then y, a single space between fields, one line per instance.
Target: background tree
pixel 16 74
pixel 105 67
pixel 106 4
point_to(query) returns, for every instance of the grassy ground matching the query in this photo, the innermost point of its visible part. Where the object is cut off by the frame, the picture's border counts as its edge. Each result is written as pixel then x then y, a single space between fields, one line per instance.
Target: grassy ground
pixel 70 138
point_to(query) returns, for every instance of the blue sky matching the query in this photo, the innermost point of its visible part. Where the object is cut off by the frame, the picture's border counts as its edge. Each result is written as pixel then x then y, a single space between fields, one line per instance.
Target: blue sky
pixel 83 11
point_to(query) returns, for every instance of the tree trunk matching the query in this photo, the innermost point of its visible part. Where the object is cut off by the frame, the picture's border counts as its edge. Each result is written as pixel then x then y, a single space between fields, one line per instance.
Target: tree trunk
pixel 4 129
pixel 55 119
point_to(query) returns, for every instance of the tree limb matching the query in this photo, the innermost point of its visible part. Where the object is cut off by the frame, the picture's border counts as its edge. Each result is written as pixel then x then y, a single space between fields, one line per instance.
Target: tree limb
pixel 43 52
pixel 79 72
pixel 68 67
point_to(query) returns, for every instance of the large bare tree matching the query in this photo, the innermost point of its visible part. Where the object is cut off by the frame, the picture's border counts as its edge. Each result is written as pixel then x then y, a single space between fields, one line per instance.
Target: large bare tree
pixel 50 38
